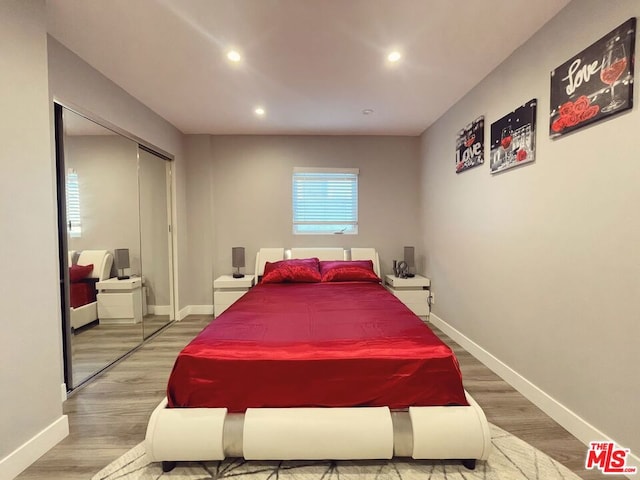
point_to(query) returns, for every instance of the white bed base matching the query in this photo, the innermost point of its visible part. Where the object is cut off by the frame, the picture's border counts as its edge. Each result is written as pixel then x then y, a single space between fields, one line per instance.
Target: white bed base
pixel 83 315
pixel 201 434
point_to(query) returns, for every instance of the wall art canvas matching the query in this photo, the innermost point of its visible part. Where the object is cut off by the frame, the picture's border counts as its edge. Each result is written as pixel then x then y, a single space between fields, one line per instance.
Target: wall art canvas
pixel 513 138
pixel 470 145
pixel 595 84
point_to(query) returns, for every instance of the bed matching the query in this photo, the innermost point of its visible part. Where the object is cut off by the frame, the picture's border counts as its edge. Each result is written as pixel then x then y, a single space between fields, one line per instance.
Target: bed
pixel 305 371
pixel 90 267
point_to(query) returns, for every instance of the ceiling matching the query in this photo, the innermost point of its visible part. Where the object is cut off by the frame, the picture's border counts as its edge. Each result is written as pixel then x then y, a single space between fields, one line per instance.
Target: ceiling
pixel 313 65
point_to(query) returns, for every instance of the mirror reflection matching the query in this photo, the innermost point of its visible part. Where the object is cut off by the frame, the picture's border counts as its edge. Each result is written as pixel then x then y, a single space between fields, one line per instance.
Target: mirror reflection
pixel 118 245
pixel 102 189
pixel 155 241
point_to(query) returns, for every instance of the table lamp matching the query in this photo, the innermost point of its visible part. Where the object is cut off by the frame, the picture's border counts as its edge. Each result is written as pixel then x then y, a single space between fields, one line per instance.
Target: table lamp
pixel 237 260
pixel 121 258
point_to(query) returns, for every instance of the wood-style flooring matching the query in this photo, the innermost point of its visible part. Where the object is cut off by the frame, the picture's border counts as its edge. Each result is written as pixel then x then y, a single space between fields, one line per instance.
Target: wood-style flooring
pixel 98 344
pixel 109 415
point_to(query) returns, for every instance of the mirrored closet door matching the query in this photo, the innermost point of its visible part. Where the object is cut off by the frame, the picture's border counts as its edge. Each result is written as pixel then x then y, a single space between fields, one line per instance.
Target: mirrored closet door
pixel 154 178
pixel 115 243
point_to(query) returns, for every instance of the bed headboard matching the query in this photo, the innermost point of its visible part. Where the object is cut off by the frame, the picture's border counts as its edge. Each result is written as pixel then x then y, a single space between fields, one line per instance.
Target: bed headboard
pixel 265 255
pixel 367 254
pixel 331 253
pixel 101 260
pixel 334 253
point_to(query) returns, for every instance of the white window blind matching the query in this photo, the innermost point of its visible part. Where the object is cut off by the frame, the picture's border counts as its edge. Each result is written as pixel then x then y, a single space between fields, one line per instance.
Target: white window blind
pixel 74 225
pixel 325 201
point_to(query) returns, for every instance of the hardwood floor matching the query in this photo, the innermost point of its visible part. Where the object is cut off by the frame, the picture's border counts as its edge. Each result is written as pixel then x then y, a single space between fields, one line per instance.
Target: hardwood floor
pixel 109 415
pixel 98 344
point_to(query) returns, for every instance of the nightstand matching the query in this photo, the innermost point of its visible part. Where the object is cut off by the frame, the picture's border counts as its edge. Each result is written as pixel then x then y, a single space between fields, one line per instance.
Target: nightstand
pixel 227 290
pixel 413 292
pixel 120 301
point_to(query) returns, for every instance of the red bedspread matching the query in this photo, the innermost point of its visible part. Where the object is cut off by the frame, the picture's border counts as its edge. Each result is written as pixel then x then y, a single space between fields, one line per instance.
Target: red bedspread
pixel 82 293
pixel 321 345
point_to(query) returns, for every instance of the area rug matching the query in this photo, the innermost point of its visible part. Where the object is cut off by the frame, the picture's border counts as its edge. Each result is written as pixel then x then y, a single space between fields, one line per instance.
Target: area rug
pixel 511 459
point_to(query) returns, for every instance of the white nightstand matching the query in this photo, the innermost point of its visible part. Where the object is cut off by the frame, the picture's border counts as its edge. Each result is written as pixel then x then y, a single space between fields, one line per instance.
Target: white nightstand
pixel 120 301
pixel 413 292
pixel 227 290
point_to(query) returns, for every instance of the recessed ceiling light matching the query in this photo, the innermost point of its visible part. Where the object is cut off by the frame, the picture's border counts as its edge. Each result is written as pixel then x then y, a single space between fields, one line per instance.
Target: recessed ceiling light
pixel 234 56
pixel 394 56
pixel 367 111
pixel 259 111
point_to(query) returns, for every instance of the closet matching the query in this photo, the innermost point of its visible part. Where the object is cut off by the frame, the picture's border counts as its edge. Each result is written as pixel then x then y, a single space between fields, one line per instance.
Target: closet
pixel 116 249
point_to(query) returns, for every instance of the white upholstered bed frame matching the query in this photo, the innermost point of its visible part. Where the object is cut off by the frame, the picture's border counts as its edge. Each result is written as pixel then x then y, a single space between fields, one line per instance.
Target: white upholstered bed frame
pixel 199 434
pixel 102 260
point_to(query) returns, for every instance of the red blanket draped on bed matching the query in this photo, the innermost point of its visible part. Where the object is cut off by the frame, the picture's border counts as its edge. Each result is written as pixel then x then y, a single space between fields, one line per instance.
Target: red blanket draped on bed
pixel 316 345
pixel 82 292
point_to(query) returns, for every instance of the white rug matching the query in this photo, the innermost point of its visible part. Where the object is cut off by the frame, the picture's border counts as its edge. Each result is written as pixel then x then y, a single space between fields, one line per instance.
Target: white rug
pixel 511 459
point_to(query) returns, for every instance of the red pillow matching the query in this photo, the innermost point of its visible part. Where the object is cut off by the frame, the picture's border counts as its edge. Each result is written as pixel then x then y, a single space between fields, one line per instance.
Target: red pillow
pixel 297 270
pixel 312 263
pixel 326 265
pixel 350 274
pixel 348 271
pixel 78 272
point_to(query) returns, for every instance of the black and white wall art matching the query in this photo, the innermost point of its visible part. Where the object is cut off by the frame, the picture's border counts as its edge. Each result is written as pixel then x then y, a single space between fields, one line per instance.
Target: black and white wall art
pixel 513 138
pixel 470 145
pixel 594 84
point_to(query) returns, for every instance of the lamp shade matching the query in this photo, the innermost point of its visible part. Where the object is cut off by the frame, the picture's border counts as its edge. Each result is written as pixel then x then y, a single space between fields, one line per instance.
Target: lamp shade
pixel 121 258
pixel 237 257
pixel 409 256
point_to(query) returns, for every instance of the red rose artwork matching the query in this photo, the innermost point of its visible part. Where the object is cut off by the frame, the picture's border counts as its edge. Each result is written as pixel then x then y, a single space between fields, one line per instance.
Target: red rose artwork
pixel 595 83
pixel 573 113
pixel 521 155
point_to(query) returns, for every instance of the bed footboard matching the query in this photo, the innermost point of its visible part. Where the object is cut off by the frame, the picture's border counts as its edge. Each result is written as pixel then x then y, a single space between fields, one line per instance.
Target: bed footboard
pixel 185 433
pixel 188 434
pixel 450 432
pixel 317 433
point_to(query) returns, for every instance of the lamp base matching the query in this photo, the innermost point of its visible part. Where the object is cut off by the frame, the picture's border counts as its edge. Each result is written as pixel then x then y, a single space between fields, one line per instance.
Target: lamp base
pixel 123 277
pixel 238 275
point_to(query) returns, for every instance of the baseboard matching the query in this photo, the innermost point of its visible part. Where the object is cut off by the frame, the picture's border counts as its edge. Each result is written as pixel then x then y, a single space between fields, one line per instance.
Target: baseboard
pixel 201 310
pixel 159 309
pixel 183 313
pixel 17 461
pixel 576 425
pixel 195 310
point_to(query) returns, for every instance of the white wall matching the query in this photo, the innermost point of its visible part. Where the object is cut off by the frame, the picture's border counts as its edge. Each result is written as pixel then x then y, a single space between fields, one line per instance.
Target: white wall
pixel 35 68
pixel 540 265
pixel 200 219
pixel 30 406
pixel 107 168
pixel 240 195
pixel 73 81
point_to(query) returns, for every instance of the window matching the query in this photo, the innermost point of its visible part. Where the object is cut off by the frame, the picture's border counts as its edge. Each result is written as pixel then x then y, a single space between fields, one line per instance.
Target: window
pixel 74 226
pixel 325 201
